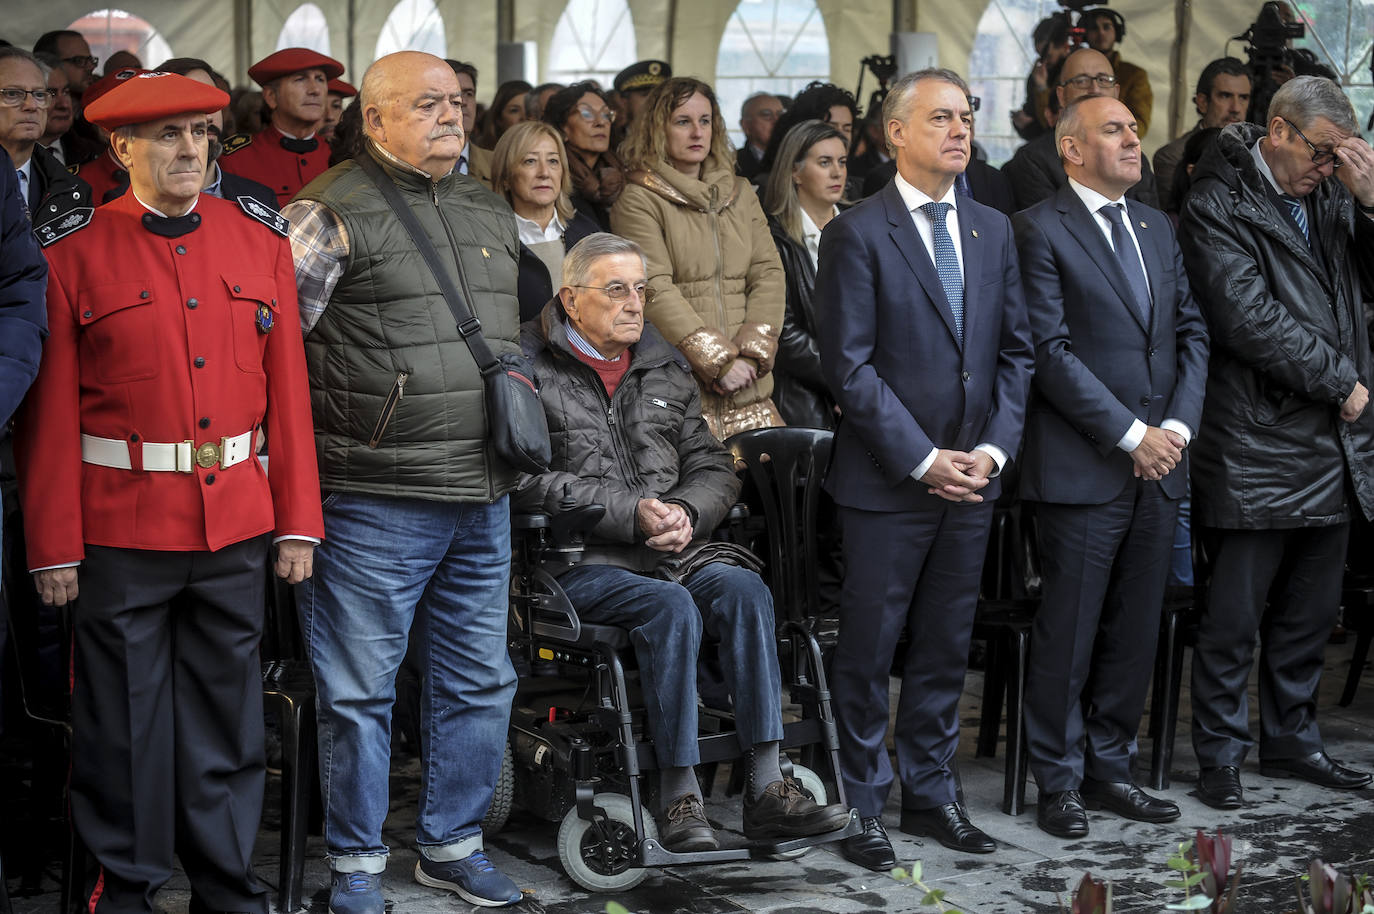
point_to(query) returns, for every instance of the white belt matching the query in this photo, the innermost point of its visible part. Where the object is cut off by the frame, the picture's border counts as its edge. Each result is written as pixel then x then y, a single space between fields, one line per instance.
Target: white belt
pixel 176 457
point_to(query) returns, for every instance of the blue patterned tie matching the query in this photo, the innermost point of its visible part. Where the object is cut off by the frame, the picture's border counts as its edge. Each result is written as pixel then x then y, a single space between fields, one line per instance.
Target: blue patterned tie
pixel 947 263
pixel 1128 258
pixel 1299 215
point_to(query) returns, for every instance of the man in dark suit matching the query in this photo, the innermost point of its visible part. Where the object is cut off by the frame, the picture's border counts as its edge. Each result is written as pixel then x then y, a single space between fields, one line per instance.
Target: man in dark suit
pixel 1120 367
pixel 927 350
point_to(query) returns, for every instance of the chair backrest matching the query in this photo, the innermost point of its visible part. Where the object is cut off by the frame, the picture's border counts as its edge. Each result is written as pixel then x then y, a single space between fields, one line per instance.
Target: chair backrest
pixel 783 470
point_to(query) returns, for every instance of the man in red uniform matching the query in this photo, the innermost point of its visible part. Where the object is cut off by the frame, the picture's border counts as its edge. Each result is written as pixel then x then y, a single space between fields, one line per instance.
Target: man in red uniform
pixel 175 341
pixel 287 155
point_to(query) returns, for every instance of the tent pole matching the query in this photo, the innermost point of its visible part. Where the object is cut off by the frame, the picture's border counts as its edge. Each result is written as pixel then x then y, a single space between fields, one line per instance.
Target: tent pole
pixel 1178 67
pixel 349 48
pixel 243 38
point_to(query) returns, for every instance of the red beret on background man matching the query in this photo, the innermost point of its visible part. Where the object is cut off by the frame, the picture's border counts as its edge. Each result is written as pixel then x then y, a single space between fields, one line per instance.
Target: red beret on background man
pixel 288 155
pixel 175 342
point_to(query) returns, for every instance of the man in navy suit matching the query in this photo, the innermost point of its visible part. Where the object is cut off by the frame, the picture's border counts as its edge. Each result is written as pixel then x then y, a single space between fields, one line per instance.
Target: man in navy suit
pixel 925 345
pixel 1120 369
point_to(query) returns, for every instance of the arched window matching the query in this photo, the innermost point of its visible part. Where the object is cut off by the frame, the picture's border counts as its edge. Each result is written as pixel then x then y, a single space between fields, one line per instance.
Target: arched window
pixel 594 39
pixel 1340 33
pixel 1003 53
pixel 414 25
pixel 769 46
pixel 110 30
pixel 305 28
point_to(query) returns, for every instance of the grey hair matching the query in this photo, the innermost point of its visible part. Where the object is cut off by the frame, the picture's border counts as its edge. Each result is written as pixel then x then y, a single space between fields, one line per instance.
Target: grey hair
pixel 744 106
pixel 901 96
pixel 1070 123
pixel 9 53
pixel 577 263
pixel 1303 99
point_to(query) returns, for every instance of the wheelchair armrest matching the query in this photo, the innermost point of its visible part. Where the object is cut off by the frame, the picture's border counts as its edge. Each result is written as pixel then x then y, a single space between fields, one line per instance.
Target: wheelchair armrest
pixel 529 521
pixel 573 522
pixel 553 615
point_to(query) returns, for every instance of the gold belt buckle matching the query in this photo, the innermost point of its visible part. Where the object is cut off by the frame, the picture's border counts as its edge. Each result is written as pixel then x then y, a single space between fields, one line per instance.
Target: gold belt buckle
pixel 208 454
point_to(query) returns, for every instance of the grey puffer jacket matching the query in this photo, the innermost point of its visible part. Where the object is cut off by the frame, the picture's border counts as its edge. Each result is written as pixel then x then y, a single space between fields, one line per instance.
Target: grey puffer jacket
pixel 647 441
pixel 1289 342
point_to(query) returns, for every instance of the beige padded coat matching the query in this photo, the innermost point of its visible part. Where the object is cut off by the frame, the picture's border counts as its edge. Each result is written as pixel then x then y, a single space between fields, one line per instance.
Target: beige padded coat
pixel 717 283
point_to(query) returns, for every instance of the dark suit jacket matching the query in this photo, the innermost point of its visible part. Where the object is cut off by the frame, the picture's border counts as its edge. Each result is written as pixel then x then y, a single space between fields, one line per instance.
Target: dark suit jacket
pixel 1036 173
pixel 989 186
pixel 1098 367
pixel 891 357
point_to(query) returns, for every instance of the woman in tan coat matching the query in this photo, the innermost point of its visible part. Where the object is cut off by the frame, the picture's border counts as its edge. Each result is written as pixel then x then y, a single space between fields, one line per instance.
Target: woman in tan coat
pixel 714 273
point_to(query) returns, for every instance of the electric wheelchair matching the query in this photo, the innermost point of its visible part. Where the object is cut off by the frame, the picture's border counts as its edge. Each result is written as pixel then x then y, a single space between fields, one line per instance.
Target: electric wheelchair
pixel 580 748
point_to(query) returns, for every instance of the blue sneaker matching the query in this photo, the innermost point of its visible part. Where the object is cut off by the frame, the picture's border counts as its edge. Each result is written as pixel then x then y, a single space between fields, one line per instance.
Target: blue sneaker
pixel 474 878
pixel 356 893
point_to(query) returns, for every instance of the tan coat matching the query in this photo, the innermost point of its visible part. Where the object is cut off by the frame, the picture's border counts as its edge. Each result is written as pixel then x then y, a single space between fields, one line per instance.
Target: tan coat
pixel 717 283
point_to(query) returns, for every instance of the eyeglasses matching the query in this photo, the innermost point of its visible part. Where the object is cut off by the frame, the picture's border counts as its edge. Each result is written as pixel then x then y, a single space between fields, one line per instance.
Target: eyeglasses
pixel 591 117
pixel 619 292
pixel 1320 157
pixel 13 97
pixel 86 63
pixel 1085 81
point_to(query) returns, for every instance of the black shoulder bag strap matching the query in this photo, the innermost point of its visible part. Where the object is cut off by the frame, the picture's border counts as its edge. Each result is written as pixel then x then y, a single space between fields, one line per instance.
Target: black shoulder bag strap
pixel 469 327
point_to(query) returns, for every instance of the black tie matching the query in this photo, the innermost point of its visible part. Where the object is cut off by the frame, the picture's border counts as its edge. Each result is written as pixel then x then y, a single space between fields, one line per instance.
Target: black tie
pixel 1128 258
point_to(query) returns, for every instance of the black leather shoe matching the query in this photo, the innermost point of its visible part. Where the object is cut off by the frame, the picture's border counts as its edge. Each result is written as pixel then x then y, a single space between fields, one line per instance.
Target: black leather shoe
pixel 950 826
pixel 1127 800
pixel 1220 787
pixel 684 829
pixel 1317 768
pixel 1062 814
pixel 871 848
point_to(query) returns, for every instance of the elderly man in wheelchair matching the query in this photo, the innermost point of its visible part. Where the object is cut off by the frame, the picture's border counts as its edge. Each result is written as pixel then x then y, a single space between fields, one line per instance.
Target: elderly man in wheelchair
pixel 624 416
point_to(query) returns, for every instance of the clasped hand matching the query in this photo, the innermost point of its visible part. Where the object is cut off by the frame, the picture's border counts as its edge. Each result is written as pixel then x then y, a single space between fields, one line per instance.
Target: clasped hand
pixel 1158 453
pixel 958 475
pixel 668 527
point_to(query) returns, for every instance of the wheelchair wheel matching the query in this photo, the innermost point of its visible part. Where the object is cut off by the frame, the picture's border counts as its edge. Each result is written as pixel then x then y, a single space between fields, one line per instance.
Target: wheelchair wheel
pixel 503 798
pixel 813 785
pixel 598 855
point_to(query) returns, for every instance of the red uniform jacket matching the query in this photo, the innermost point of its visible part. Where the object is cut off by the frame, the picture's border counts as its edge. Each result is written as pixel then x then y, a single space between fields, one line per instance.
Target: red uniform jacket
pixel 159 337
pixel 266 159
pixel 104 174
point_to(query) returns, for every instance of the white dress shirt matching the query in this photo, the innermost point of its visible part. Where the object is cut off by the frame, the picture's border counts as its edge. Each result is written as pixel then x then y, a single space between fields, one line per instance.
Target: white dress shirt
pixel 811 235
pixel 531 233
pixel 1094 202
pixel 914 199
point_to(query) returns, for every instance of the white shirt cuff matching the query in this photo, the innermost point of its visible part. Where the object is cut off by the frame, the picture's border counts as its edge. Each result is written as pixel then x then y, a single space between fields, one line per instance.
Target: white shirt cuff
pixel 1179 428
pixel 924 466
pixel 295 536
pixel 998 456
pixel 1134 435
pixel 54 567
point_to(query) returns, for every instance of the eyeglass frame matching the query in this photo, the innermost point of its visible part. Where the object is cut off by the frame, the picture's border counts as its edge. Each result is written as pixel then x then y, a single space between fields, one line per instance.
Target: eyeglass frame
pixel 1326 155
pixel 41 97
pixel 591 117
pixel 640 289
pixel 83 61
pixel 1103 81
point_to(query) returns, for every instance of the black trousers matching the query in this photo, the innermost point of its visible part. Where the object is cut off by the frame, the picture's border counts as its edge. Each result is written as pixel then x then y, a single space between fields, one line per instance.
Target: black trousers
pixel 1298 573
pixel 1093 640
pixel 167 723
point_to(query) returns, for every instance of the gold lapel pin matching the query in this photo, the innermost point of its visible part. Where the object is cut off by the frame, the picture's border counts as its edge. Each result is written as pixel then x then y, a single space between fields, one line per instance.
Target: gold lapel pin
pixel 1143 225
pixel 975 233
pixel 485 254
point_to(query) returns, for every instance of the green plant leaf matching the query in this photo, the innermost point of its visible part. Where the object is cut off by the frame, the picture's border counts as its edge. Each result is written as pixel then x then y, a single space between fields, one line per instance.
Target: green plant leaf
pixel 1195 903
pixel 1178 863
pixel 1195 878
pixel 934 896
pixel 1176 883
pixel 899 874
pixel 615 907
pixel 916 871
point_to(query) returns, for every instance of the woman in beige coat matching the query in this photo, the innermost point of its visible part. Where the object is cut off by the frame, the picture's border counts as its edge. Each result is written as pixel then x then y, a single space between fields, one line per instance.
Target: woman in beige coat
pixel 716 281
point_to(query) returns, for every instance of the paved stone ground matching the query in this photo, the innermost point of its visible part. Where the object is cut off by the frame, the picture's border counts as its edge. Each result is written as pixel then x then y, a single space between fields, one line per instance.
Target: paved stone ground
pixel 1283 826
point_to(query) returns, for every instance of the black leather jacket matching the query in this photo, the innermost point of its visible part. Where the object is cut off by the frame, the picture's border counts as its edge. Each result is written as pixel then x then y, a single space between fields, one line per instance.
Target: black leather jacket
pixel 1289 342
pixel 799 390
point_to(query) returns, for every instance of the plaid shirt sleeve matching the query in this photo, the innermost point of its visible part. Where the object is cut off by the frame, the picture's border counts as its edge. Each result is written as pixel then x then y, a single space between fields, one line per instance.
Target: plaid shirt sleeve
pixel 319 247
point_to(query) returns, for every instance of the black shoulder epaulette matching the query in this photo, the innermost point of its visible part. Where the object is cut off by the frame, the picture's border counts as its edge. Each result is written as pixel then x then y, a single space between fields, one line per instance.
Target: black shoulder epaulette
pixel 236 142
pixel 264 214
pixel 62 225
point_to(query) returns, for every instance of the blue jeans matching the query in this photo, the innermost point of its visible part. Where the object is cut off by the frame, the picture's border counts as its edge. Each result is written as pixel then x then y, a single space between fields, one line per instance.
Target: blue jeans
pixel 666 621
pixel 1181 563
pixel 385 563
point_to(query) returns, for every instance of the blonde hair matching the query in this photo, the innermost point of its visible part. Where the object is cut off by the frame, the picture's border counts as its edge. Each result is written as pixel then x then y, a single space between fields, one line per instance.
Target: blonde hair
pixel 513 146
pixel 647 144
pixel 780 193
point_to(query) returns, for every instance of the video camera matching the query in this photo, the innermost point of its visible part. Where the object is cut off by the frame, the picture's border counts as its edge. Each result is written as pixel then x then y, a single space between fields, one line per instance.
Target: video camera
pixel 1267 40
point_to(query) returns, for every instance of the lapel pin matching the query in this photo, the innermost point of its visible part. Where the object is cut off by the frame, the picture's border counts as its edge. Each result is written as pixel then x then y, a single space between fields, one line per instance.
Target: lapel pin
pixel 485 254
pixel 1143 225
pixel 975 233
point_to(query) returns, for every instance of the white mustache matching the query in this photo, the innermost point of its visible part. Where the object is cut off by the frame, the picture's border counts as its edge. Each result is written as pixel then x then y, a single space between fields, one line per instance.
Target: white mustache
pixel 451 130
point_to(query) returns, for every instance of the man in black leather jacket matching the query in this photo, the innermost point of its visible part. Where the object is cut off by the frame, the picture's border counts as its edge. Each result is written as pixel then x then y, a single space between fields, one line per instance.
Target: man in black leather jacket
pixel 1280 254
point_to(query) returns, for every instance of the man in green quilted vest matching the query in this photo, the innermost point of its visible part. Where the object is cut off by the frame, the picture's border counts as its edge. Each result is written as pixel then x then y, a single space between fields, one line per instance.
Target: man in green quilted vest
pixel 416 512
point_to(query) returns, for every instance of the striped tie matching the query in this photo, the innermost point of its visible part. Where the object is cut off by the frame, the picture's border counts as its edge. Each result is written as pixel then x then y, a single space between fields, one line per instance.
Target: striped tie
pixel 1295 209
pixel 947 263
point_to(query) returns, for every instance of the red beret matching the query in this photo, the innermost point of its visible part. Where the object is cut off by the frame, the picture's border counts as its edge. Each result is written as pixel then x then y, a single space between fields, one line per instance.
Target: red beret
pixel 339 87
pixel 148 95
pixel 293 60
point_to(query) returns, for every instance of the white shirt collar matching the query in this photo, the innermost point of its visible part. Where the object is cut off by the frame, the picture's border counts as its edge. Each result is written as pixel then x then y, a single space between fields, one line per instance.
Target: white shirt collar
pixel 1092 199
pixel 531 233
pixel 584 347
pixel 308 136
pixel 159 212
pixel 915 199
pixel 1264 168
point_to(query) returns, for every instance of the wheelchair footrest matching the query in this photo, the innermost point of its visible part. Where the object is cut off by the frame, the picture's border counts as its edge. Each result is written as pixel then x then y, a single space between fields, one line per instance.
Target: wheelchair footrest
pixel 655 854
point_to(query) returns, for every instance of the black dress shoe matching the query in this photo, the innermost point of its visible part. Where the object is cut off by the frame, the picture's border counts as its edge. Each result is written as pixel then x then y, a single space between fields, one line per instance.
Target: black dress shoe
pixel 871 848
pixel 1062 814
pixel 1127 800
pixel 1318 768
pixel 1220 787
pixel 950 826
pixel 684 829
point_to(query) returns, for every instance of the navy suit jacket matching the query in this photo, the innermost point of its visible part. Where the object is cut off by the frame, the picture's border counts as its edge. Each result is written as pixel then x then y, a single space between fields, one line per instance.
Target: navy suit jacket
pixel 23 299
pixel 891 357
pixel 1098 365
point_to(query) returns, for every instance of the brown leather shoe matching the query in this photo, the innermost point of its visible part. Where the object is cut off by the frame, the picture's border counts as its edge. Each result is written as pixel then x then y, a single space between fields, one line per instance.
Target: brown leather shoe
pixel 684 829
pixel 786 810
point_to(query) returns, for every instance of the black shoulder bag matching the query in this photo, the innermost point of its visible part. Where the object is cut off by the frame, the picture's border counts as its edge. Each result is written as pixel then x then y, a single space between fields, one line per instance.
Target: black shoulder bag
pixel 515 416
